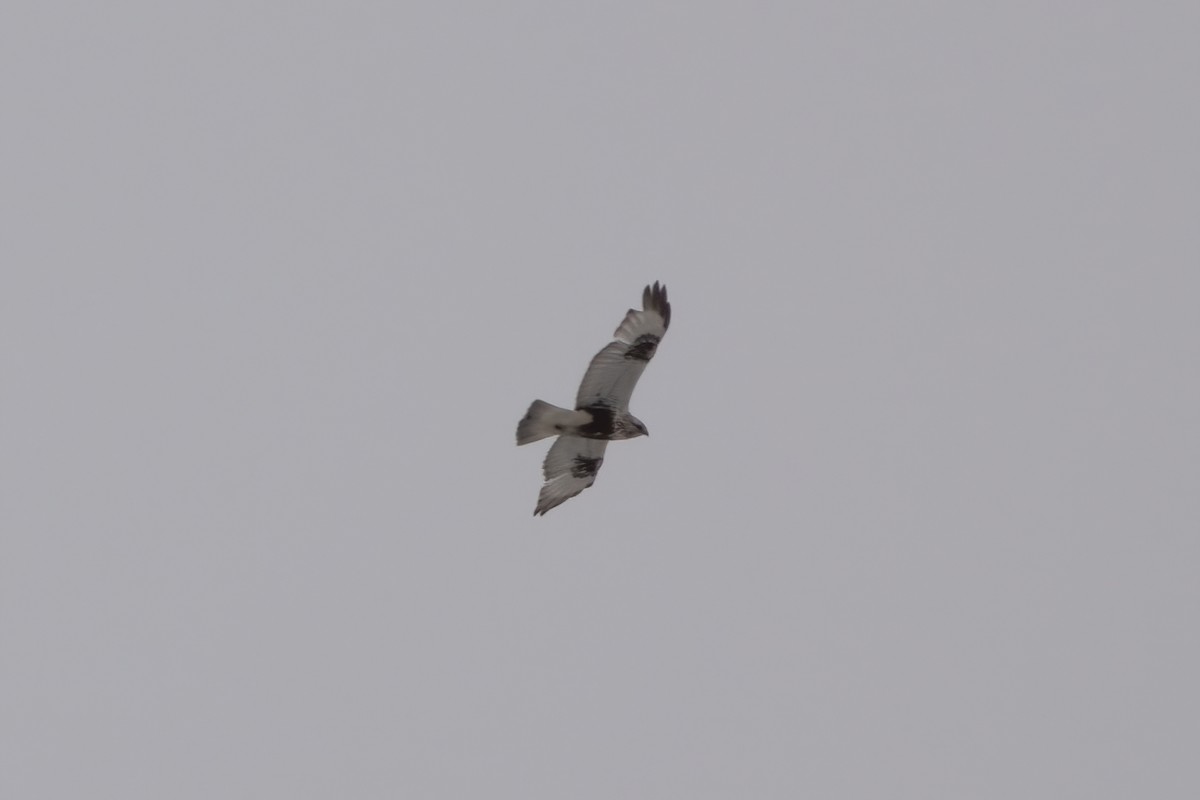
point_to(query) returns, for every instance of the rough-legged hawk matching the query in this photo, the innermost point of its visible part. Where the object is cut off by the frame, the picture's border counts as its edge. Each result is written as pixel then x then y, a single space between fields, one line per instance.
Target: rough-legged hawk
pixel 602 406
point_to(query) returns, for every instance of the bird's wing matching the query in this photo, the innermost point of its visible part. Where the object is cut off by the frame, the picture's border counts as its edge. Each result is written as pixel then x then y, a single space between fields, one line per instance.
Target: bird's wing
pixel 570 467
pixel 615 370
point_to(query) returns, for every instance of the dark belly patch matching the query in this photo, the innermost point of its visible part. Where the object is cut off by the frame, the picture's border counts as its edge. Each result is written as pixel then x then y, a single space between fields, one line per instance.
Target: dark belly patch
pixel 601 426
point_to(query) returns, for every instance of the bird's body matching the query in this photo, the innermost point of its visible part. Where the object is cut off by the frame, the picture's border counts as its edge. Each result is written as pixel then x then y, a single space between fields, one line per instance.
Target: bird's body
pixel 601 411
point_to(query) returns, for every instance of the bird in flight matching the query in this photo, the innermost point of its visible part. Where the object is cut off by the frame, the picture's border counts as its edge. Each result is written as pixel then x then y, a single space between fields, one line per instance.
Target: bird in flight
pixel 602 406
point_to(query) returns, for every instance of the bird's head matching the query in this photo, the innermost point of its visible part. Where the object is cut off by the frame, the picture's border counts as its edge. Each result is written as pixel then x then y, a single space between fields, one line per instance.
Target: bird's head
pixel 639 427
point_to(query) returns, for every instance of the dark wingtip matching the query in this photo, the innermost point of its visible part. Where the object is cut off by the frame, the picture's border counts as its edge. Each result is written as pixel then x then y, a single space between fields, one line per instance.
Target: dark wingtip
pixel 655 298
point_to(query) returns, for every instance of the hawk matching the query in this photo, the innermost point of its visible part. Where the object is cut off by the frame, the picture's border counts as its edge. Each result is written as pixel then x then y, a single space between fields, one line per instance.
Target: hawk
pixel 602 406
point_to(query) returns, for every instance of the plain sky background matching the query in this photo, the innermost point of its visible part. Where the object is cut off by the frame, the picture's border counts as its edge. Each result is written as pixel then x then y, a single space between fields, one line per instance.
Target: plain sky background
pixel 920 515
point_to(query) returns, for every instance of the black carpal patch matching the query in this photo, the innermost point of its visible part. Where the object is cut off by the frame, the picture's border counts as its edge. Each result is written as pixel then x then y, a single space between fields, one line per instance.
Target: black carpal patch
pixel 601 426
pixel 584 467
pixel 643 347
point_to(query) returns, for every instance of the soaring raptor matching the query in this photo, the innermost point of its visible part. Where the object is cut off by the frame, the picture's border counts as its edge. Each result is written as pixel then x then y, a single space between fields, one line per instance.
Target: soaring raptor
pixel 602 406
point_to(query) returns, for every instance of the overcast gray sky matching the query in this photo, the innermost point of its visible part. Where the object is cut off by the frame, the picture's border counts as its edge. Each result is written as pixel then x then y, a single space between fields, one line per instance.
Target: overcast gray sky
pixel 920 515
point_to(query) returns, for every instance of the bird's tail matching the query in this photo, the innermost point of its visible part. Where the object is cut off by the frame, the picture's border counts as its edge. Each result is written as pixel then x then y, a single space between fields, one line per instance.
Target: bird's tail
pixel 542 420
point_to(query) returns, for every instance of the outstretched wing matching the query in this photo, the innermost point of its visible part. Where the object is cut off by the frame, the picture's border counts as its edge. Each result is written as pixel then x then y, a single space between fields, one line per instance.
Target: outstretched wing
pixel 615 370
pixel 570 467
